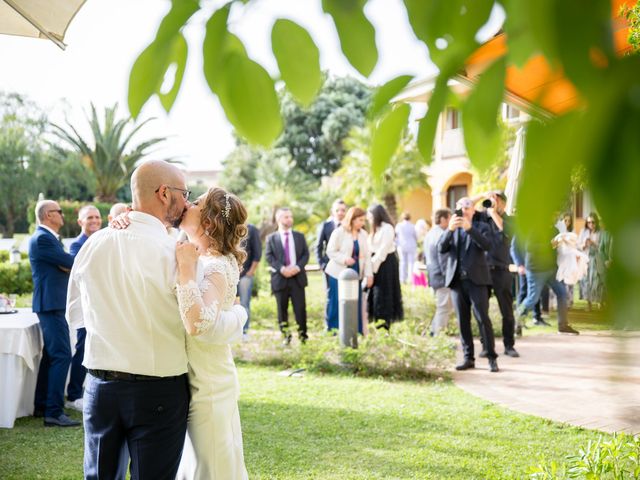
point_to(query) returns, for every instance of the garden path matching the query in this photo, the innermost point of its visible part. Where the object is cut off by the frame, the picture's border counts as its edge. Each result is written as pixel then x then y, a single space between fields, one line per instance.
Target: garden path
pixel 591 380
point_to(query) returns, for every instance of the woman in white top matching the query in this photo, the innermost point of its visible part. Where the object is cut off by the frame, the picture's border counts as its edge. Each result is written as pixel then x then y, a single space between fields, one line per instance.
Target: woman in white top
pixel 347 248
pixel 208 273
pixel 385 298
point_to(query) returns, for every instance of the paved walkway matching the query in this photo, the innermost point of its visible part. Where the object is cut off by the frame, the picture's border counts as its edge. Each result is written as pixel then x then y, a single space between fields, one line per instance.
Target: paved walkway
pixel 591 380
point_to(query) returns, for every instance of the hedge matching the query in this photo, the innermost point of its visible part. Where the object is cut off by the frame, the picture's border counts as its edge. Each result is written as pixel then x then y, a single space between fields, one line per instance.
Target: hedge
pixel 16 278
pixel 70 210
pixel 4 256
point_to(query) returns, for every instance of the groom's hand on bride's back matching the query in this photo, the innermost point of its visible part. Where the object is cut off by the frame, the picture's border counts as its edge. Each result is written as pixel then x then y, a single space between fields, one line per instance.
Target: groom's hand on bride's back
pixel 121 221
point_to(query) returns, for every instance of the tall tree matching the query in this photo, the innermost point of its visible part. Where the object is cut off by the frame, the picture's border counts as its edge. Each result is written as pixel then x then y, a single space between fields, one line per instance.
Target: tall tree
pixel 109 154
pixel 239 169
pixel 22 125
pixel 314 135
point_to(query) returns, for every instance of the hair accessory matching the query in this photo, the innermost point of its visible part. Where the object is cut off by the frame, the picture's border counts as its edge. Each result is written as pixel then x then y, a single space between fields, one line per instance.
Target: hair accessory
pixel 227 208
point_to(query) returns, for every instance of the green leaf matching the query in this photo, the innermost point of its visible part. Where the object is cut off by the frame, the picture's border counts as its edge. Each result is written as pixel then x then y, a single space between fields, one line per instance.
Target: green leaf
pixel 482 136
pixel 386 92
pixel 298 58
pixel 149 69
pixel 386 138
pixel 215 46
pixel 178 56
pixel 522 43
pixel 357 35
pixel 429 123
pixel 247 94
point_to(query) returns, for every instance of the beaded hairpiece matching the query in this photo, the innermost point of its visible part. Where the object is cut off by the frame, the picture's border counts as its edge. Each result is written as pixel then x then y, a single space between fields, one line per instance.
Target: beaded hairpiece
pixel 227 207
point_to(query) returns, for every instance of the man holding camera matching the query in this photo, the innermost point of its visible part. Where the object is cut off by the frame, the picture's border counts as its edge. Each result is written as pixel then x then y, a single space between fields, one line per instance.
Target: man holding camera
pixel 498 260
pixel 467 274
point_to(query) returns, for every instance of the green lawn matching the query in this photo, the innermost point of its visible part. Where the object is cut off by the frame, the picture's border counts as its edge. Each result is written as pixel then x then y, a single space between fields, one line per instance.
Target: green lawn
pixel 332 427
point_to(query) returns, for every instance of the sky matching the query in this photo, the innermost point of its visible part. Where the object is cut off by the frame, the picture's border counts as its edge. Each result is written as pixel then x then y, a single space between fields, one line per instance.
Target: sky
pixel 106 36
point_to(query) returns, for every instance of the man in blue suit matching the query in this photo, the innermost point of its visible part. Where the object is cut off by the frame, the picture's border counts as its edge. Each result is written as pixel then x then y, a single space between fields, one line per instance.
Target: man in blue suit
pixel 90 222
pixel 50 266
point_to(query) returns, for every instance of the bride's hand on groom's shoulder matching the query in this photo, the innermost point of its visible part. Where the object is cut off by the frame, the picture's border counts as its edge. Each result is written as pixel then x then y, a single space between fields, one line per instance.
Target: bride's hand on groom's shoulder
pixel 120 222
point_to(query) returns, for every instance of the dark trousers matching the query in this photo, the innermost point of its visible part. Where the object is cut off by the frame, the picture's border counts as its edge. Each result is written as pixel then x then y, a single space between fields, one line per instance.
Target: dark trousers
pixel 78 372
pixel 501 284
pixel 296 293
pixel 466 295
pixel 522 294
pixel 54 366
pixel 143 420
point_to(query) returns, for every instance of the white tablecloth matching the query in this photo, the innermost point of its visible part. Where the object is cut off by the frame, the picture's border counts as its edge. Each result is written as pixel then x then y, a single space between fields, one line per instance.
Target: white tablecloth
pixel 20 353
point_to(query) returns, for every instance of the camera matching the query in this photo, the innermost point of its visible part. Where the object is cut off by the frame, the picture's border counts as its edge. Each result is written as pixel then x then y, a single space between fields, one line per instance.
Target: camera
pixel 488 203
pixel 458 212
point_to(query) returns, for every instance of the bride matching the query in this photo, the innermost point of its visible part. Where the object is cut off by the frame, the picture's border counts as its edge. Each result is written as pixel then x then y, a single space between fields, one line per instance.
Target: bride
pixel 208 272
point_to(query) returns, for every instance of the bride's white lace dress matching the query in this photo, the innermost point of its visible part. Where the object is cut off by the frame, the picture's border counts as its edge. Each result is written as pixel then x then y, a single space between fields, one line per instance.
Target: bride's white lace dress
pixel 213 449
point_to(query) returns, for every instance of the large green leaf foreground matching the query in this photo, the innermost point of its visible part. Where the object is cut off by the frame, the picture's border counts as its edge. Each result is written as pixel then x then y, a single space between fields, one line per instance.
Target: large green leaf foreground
pixel 599 136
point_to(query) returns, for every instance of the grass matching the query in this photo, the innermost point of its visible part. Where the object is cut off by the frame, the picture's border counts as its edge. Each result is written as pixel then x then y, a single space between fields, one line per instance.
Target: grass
pixel 333 427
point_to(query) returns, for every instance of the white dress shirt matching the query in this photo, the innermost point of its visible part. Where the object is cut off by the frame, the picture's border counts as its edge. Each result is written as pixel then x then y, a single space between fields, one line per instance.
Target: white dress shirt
pixel 122 291
pixel 292 246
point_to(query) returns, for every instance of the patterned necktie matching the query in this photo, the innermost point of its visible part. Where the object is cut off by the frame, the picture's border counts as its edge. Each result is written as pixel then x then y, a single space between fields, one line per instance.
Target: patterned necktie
pixel 287 257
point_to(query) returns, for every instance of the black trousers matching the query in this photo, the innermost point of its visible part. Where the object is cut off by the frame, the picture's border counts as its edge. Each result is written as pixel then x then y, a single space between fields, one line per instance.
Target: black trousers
pixel 467 295
pixel 296 293
pixel 502 283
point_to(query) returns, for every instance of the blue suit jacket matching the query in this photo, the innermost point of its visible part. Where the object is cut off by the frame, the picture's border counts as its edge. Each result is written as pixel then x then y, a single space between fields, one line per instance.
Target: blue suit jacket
pixel 77 244
pixel 473 258
pixel 49 281
pixel 325 230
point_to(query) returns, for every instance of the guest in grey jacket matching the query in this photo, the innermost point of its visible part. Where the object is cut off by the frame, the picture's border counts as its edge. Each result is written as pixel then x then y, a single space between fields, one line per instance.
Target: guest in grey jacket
pixel 435 271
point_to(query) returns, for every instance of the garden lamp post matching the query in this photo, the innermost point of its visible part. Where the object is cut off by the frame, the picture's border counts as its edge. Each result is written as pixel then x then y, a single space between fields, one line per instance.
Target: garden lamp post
pixel 348 291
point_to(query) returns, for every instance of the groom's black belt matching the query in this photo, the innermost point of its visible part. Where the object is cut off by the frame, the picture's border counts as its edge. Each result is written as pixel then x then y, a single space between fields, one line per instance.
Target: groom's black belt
pixel 127 377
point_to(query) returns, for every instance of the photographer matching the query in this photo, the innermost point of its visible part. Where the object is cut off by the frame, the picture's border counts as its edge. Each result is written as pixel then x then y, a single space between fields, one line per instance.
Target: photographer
pixel 467 274
pixel 498 259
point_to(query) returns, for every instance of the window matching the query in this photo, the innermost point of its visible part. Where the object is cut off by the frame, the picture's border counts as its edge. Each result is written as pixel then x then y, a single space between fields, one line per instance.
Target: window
pixel 455 193
pixel 452 119
pixel 511 112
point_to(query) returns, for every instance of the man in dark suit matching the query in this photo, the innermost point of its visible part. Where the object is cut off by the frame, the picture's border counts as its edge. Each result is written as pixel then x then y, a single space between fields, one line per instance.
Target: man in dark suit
pixel 50 266
pixel 465 243
pixel 90 222
pixel 326 228
pixel 287 254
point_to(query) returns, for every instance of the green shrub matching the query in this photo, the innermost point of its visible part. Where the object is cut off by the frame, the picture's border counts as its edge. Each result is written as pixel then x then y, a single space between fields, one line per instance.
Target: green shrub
pixel 70 210
pixel 16 278
pixel 4 256
pixel 398 354
pixel 614 459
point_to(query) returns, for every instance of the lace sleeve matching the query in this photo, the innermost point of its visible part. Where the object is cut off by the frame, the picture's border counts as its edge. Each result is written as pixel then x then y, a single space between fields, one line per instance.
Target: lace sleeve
pixel 200 304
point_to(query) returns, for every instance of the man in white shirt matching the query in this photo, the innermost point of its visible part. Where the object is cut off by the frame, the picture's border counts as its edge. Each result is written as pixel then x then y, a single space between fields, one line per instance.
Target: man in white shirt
pixel 122 291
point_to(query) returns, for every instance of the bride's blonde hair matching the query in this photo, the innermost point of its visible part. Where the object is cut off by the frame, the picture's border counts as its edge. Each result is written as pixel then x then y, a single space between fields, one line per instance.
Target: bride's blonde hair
pixel 223 218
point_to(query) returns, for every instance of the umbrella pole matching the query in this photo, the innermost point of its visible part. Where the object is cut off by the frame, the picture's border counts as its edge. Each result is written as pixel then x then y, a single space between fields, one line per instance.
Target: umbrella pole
pixel 24 15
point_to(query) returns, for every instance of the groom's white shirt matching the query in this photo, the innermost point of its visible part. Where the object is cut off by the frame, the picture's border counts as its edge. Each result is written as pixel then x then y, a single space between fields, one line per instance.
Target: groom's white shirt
pixel 122 291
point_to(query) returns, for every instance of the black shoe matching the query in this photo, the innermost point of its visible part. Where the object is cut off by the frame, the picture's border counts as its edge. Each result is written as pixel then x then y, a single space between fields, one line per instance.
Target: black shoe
pixel 61 421
pixel 483 354
pixel 541 323
pixel 38 413
pixel 466 365
pixel 286 341
pixel 493 365
pixel 511 352
pixel 569 330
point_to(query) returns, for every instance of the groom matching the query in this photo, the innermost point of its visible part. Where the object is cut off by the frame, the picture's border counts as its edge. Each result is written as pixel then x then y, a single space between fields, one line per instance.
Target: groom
pixel 122 291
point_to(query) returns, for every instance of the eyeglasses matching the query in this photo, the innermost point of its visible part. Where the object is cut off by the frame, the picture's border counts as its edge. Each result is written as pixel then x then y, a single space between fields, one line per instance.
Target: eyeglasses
pixel 59 211
pixel 185 193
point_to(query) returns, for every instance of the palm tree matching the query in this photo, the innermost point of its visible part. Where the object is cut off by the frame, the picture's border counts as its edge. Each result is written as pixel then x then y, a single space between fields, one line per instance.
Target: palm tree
pixel 108 156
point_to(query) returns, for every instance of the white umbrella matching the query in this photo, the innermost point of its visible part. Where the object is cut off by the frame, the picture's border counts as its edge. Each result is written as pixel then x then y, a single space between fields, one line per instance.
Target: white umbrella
pixel 38 18
pixel 515 167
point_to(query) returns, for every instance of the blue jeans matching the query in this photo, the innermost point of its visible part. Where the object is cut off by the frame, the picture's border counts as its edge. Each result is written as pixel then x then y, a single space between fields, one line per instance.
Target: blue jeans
pixel 245 286
pixel 535 283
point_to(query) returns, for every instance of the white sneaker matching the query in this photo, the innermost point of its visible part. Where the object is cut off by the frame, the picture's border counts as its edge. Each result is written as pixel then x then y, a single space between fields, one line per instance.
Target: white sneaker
pixel 74 405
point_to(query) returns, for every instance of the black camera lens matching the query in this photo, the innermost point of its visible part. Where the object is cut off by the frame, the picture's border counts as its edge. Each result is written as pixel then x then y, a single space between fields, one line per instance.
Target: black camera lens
pixel 458 212
pixel 487 203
